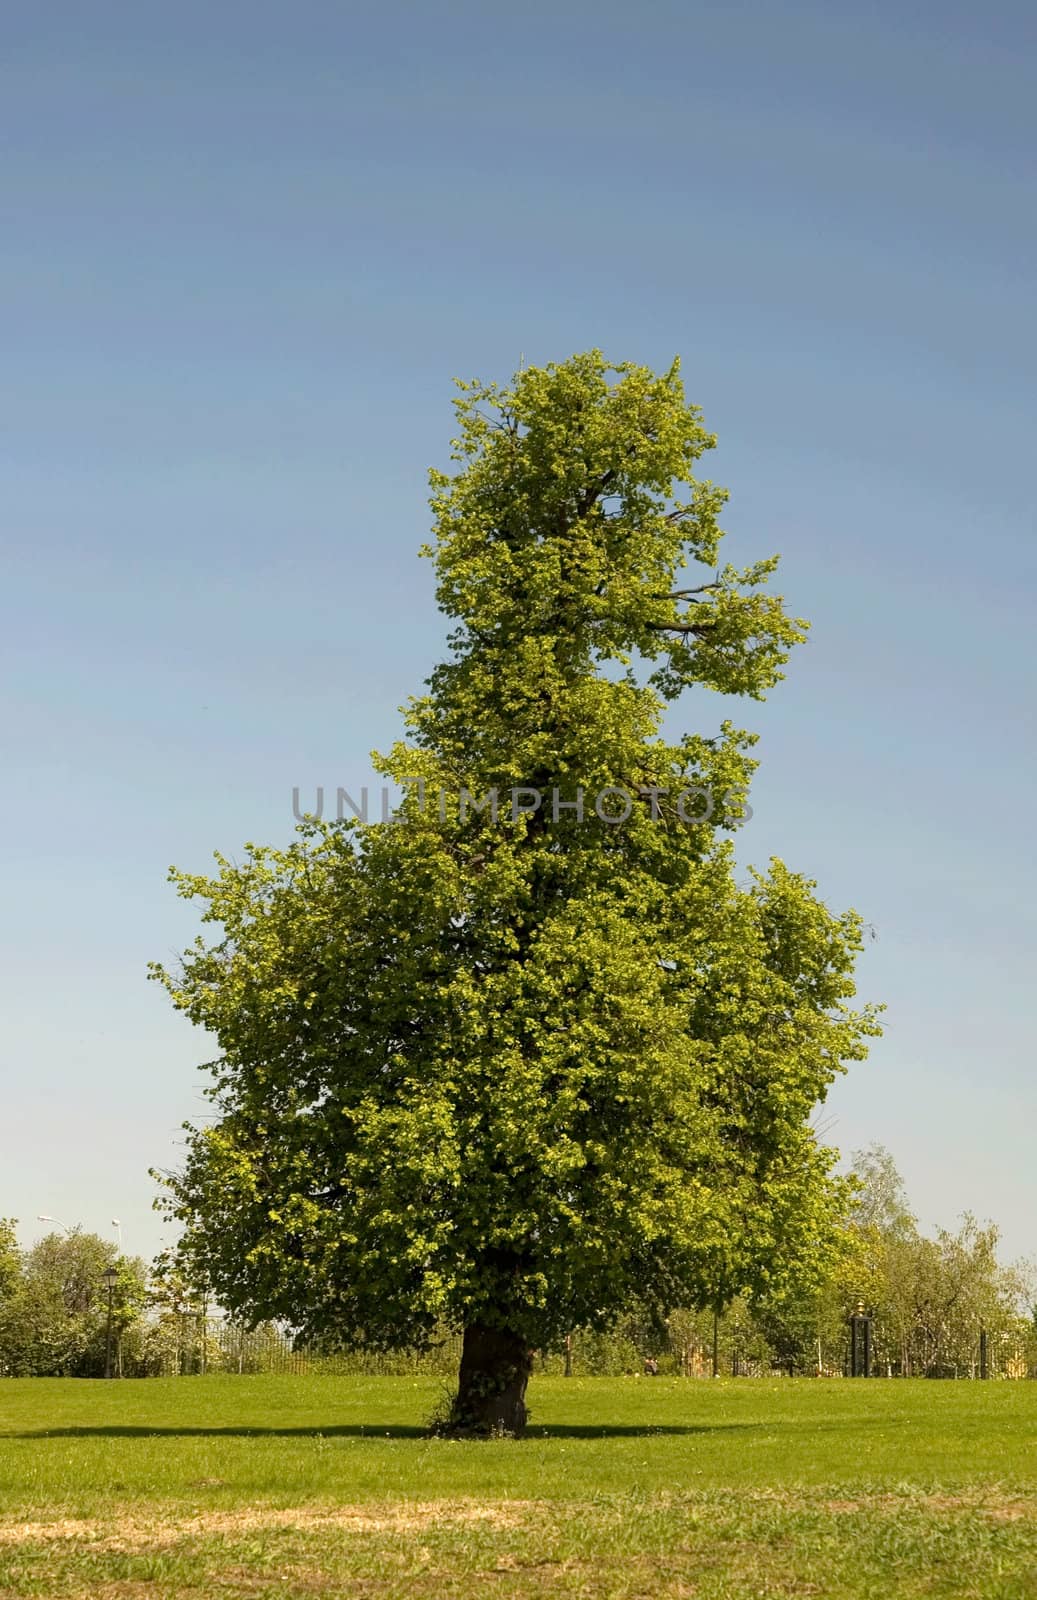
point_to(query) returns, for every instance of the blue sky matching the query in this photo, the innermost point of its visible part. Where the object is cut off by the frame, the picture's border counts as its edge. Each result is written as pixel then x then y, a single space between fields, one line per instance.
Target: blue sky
pixel 246 248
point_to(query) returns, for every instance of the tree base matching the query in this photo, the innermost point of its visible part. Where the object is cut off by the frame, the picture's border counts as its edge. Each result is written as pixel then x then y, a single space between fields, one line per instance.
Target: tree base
pixel 491 1387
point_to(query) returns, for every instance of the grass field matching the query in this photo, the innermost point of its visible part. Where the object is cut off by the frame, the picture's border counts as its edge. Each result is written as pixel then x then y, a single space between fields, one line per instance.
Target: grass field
pixel 268 1487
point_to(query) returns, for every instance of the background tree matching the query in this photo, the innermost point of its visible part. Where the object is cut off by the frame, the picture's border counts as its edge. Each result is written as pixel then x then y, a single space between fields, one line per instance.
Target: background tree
pixel 178 1298
pixel 801 1319
pixel 10 1257
pixel 882 1266
pixel 503 1066
pixel 801 1328
pixel 54 1324
pixel 10 1280
pixel 880 1202
pixel 929 1296
pixel 959 1288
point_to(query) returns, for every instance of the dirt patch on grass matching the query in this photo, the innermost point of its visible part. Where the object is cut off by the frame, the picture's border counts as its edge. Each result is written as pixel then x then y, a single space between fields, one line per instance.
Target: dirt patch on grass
pixel 137 1533
pixel 134 1531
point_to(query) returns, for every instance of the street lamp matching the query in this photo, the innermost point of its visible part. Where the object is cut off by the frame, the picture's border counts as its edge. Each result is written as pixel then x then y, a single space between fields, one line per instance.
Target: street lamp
pixel 111 1278
pixel 860 1342
pixel 43 1217
pixel 117 1225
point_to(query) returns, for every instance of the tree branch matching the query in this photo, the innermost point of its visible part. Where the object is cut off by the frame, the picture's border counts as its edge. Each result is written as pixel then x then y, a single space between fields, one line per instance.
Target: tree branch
pixel 594 491
pixel 679 627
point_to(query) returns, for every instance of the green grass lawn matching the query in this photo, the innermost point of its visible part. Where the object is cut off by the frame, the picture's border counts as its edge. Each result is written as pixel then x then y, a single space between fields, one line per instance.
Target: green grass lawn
pixel 624 1487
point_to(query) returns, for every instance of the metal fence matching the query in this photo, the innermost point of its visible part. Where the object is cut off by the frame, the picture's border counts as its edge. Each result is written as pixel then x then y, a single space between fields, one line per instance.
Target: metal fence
pixel 192 1345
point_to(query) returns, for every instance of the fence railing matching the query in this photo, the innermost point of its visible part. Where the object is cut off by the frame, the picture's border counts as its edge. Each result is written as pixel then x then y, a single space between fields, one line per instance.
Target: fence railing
pixel 191 1346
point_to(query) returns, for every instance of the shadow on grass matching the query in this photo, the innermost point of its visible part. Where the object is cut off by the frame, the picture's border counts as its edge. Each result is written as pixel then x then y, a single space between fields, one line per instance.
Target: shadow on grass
pixel 375 1432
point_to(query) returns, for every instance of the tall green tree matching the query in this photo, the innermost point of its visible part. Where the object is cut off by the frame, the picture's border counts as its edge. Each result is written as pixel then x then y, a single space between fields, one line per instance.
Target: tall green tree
pixel 531 1053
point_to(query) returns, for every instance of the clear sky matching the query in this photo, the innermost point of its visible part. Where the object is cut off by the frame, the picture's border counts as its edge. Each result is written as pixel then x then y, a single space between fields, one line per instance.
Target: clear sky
pixel 245 248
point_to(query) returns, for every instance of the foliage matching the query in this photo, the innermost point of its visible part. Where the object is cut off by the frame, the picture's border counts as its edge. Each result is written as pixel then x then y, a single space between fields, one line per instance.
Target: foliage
pixel 497 1064
pixel 880 1204
pixel 54 1317
pixel 10 1260
pixel 929 1298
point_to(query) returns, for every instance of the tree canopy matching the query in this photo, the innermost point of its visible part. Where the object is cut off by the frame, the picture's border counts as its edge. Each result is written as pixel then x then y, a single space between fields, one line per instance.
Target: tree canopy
pixel 54 1303
pixel 532 1050
pixel 10 1261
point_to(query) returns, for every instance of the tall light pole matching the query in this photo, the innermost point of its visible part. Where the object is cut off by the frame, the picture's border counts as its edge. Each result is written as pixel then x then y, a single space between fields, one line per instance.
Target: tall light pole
pixel 43 1217
pixel 117 1225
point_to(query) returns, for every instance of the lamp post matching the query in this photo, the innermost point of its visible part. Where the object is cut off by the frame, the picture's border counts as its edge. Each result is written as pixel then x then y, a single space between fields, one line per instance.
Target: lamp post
pixel 43 1217
pixel 860 1342
pixel 117 1225
pixel 111 1277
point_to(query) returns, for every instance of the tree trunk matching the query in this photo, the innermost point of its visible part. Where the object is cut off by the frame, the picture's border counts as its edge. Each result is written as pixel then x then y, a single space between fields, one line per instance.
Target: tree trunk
pixel 491 1386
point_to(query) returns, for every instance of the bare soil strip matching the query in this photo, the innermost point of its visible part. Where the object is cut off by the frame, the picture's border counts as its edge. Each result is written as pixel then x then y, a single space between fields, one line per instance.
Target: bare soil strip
pixel 135 1532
